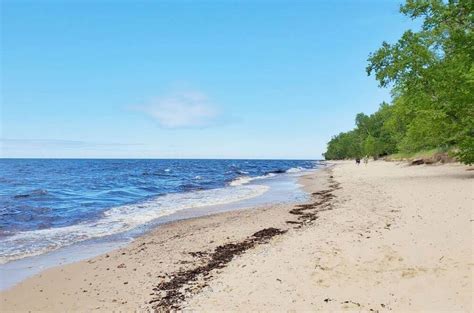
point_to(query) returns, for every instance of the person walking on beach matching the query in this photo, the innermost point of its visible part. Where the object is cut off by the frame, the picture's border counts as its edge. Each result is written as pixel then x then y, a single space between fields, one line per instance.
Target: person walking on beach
pixel 357 161
pixel 366 160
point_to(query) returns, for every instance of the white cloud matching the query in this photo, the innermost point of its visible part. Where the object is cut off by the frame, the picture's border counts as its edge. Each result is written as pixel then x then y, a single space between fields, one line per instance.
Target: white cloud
pixel 183 109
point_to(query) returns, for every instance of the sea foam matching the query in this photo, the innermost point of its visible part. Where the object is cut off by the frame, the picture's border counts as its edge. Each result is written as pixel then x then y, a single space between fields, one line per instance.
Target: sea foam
pixel 120 219
pixel 243 180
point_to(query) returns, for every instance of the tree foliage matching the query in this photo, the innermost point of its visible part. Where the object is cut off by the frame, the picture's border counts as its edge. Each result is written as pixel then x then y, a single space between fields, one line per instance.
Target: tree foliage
pixel 431 74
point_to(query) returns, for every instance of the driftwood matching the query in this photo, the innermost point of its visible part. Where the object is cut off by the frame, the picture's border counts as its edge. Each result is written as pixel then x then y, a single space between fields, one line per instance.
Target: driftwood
pixel 417 162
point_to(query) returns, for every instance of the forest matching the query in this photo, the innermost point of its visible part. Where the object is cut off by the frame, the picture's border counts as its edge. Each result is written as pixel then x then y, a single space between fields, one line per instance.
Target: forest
pixel 431 77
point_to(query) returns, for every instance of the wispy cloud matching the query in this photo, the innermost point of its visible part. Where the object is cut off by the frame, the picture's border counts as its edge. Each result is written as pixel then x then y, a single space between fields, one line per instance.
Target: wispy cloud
pixel 182 109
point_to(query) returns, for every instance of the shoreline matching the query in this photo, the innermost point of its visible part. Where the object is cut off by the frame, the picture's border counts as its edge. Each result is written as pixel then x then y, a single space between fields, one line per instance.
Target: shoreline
pixel 140 259
pixel 20 269
pixel 372 238
pixel 40 217
pixel 400 238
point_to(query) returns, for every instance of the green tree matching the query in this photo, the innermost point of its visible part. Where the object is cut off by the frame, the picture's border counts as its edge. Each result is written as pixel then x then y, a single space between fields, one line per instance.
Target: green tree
pixel 370 146
pixel 344 146
pixel 431 72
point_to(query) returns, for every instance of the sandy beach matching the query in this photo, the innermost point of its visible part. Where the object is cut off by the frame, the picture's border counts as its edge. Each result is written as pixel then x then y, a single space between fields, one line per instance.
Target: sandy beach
pixel 380 237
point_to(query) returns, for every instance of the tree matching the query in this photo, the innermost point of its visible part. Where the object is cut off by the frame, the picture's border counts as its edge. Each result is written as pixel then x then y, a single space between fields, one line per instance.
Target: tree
pixel 370 146
pixel 432 72
pixel 344 146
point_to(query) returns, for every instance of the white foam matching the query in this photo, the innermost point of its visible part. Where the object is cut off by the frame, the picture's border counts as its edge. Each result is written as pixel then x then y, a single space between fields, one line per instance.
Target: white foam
pixel 120 219
pixel 242 180
pixel 239 181
pixel 295 169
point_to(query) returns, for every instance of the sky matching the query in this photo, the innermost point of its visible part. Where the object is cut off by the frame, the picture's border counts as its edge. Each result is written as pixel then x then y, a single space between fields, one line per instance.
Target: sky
pixel 187 79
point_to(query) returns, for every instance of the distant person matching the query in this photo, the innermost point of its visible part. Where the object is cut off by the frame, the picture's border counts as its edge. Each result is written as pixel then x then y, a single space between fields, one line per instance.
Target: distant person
pixel 366 160
pixel 358 161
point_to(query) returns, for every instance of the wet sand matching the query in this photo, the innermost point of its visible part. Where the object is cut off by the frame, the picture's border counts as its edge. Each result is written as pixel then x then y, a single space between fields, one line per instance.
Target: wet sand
pixel 125 279
pixel 376 238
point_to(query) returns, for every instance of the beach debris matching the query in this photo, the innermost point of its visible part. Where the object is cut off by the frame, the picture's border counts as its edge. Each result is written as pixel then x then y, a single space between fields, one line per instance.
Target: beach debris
pixel 170 293
pixel 294 222
pixel 350 302
pixel 307 213
pixel 417 162
pixel 322 192
pixel 198 254
pixel 122 265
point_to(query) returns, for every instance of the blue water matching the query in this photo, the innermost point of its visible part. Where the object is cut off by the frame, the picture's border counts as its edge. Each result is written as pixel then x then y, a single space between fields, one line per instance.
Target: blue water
pixel 46 204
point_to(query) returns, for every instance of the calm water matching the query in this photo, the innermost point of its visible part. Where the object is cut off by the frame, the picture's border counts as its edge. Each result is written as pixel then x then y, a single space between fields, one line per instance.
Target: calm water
pixel 48 204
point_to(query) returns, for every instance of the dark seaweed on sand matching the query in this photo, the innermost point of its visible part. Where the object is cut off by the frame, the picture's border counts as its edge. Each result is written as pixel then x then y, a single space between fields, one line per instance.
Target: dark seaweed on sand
pixel 170 293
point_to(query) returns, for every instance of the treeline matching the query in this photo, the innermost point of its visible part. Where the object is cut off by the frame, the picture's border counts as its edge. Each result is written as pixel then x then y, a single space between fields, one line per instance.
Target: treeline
pixel 431 76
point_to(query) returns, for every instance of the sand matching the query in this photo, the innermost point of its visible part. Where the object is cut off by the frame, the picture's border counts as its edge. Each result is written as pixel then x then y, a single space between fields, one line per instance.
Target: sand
pixel 380 237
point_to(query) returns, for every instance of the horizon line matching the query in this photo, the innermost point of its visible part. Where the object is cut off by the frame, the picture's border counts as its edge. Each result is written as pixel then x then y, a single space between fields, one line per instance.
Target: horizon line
pixel 184 158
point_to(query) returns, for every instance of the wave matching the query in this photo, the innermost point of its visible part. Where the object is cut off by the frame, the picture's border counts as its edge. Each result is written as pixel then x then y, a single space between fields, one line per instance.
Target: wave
pixel 242 180
pixel 280 171
pixel 120 219
pixel 33 193
pixel 296 169
pixel 164 173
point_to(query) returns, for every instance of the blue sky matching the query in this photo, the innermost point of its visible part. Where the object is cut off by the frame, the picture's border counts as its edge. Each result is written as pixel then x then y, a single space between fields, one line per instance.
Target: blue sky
pixel 187 79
